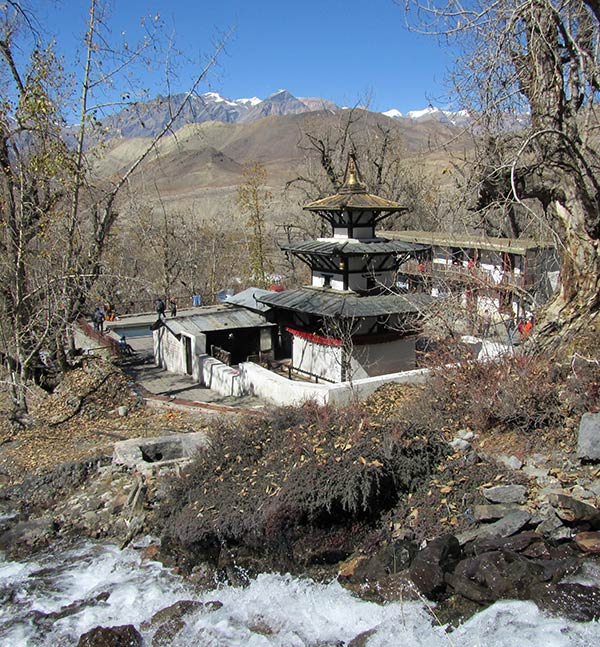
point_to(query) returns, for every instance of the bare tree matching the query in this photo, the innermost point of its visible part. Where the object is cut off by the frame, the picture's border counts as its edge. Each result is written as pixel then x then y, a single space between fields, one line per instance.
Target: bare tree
pixel 253 199
pixel 56 224
pixel 538 57
pixel 386 166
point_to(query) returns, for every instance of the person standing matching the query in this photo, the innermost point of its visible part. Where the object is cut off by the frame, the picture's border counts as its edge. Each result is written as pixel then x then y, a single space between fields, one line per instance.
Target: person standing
pixel 98 320
pixel 160 309
pixel 486 322
pixel 173 305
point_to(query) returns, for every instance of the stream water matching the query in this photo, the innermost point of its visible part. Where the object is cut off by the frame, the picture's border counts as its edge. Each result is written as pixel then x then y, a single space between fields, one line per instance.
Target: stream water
pixel 110 587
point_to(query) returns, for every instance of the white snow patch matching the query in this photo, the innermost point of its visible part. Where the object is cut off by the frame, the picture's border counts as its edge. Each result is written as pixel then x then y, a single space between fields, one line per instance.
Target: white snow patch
pixel 252 101
pixel 393 113
pixel 215 97
pixel 420 114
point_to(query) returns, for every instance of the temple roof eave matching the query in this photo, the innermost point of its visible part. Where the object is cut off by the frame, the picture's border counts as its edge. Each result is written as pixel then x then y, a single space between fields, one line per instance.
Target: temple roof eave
pixel 346 248
pixel 325 302
pixel 364 201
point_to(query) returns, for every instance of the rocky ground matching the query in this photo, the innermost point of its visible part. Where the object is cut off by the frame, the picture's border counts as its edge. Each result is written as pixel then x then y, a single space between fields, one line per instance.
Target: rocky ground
pixel 502 515
pixel 94 407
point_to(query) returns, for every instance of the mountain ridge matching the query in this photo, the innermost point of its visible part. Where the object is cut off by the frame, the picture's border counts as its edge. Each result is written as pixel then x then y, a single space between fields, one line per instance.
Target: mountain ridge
pixel 147 118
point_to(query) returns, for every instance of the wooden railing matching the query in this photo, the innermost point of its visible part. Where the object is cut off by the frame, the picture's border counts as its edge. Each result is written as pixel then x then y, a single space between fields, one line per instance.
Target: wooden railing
pixel 461 272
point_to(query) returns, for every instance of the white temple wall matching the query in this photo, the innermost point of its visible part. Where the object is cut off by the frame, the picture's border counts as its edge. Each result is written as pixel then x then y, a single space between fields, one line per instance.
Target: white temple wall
pixel 219 377
pixel 336 280
pixel 168 351
pixel 275 388
pixel 317 359
pixel 170 354
pixel 370 360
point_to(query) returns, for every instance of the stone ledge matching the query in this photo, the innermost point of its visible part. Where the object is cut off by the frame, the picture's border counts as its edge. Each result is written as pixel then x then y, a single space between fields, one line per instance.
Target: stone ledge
pixel 146 453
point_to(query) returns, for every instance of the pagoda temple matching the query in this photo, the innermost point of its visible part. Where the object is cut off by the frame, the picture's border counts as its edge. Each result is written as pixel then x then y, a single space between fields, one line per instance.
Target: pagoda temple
pixel 351 322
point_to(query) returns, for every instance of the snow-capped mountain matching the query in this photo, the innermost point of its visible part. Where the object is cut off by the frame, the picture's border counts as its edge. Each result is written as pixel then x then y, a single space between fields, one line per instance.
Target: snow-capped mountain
pixel 145 119
pixel 431 113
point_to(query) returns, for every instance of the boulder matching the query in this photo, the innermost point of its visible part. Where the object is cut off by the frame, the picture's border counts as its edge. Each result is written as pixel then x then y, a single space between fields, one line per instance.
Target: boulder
pixel 516 543
pixel 508 525
pixel 432 562
pixel 575 601
pixel 389 560
pixel 589 542
pixel 468 589
pixel 459 444
pixel 173 612
pixel 27 536
pixel 574 511
pixel 495 575
pixel 491 512
pixel 506 494
pixel 362 639
pixel 512 461
pixel 122 636
pixel 166 632
pixel 588 440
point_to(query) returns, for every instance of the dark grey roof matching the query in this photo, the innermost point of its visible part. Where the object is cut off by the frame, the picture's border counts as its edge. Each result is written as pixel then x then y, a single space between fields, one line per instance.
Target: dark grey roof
pixel 246 299
pixel 469 241
pixel 211 318
pixel 325 302
pixel 374 247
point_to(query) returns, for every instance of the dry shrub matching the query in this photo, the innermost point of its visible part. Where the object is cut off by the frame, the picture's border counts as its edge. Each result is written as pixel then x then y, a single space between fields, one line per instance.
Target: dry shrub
pixel 266 479
pixel 524 393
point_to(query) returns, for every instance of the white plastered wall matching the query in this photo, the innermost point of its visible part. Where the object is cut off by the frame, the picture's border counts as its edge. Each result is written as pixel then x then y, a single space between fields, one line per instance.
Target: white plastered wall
pixel 370 360
pixel 317 359
pixel 169 351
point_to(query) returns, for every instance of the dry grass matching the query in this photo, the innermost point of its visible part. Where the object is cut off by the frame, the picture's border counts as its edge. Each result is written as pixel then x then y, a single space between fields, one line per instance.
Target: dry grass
pixel 80 420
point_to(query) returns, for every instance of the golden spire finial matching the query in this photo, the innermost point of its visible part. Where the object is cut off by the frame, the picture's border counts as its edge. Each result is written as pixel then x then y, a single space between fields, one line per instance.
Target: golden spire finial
pixel 352 181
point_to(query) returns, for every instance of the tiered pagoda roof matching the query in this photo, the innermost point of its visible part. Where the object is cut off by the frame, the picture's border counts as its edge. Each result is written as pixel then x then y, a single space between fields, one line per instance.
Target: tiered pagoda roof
pixel 323 302
pixel 353 195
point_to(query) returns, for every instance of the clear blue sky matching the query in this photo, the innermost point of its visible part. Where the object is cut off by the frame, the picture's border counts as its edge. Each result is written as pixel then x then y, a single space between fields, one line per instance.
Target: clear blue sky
pixel 342 50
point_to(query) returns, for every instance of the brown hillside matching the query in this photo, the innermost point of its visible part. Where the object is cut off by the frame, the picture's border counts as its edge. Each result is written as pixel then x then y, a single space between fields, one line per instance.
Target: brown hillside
pixel 200 165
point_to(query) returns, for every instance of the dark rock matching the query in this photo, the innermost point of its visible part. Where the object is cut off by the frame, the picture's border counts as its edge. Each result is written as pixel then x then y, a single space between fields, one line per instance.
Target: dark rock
pixel 574 511
pixel 262 627
pixel 509 525
pixel 490 512
pixel 362 638
pixel 175 611
pixel 389 588
pixel 27 536
pixel 123 636
pixel 432 562
pixel 589 542
pixel 501 574
pixel 468 588
pixel 166 632
pixel 69 610
pixel 506 494
pixel 390 559
pixel 554 570
pixel 516 543
pixel 588 439
pixel 575 601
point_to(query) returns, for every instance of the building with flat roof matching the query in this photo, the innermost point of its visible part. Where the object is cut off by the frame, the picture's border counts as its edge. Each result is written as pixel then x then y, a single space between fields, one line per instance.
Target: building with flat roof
pixel 510 275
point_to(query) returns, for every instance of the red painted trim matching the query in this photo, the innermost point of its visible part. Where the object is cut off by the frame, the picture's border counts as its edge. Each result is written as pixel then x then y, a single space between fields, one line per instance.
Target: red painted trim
pixel 103 339
pixel 316 339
